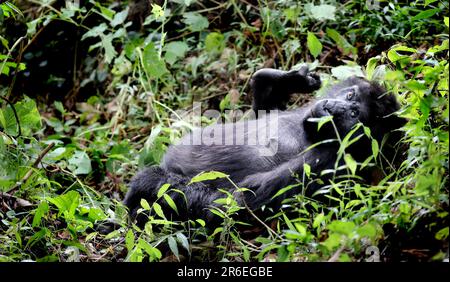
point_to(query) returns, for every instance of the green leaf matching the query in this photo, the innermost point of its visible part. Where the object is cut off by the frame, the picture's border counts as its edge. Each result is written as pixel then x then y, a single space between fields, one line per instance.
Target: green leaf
pixel 342 227
pixel 442 234
pixel 66 203
pixel 170 202
pixel 375 148
pixel 41 210
pixel 323 12
pixel 153 252
pixel 425 14
pixel 110 52
pixel 318 220
pixel 371 65
pixel 28 114
pixel 351 163
pixel 145 205
pixel 173 246
pixel 341 42
pixel 446 21
pixel 80 163
pixel 201 222
pixel 95 31
pixel 333 241
pixel 174 51
pixel 183 240
pixel 284 190
pixel 162 190
pixel 367 230
pixel 307 169
pixel 195 21
pixel 129 240
pixel 215 42
pixel 105 12
pixel 344 72
pixel 323 120
pixel 119 18
pixel 158 210
pixel 211 175
pixel 314 45
pixel 153 65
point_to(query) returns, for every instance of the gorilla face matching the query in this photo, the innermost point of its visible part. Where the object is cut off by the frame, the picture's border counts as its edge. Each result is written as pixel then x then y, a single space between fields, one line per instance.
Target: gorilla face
pixel 354 101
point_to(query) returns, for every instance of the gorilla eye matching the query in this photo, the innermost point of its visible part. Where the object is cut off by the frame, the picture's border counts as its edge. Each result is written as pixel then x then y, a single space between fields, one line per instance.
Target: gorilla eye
pixel 353 114
pixel 350 94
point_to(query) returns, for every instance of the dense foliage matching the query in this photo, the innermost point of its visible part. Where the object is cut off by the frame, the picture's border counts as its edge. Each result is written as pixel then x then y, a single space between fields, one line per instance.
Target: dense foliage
pixel 89 93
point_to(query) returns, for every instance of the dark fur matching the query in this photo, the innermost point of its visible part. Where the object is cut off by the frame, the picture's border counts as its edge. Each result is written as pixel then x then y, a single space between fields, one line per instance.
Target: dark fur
pixel 265 175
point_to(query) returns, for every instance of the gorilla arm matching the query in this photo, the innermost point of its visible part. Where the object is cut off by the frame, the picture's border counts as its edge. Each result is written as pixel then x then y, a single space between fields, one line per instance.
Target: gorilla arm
pixel 265 184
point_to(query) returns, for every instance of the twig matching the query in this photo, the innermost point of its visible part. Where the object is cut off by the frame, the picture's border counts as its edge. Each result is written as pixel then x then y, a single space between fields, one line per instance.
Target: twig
pixel 19 129
pixel 19 201
pixel 336 255
pixel 30 171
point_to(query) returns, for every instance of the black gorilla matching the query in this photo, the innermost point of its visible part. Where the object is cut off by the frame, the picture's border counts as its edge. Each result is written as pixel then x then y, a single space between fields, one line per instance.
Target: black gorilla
pixel 349 102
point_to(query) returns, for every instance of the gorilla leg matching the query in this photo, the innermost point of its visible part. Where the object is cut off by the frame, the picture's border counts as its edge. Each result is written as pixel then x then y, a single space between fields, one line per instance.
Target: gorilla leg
pixel 193 202
pixel 272 88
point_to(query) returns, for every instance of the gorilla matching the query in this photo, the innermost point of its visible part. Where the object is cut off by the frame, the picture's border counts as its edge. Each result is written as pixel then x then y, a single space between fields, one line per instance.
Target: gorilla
pixel 266 167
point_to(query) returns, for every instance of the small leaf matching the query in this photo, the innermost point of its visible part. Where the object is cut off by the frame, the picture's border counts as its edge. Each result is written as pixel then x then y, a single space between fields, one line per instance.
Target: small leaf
pixel 323 120
pixel 110 51
pixel 129 240
pixel 284 190
pixel 119 18
pixel 80 163
pixel 158 210
pixel 307 169
pixel 425 14
pixel 41 210
pixel 195 21
pixel 371 65
pixel 344 72
pixel 175 51
pixel 342 227
pixel 183 240
pixel 170 202
pixel 153 65
pixel 314 45
pixel 375 148
pixel 211 175
pixel 153 252
pixel 323 12
pixel 215 42
pixel 67 202
pixel 318 220
pixel 201 222
pixel 173 246
pixel 442 234
pixel 367 230
pixel 351 163
pixel 162 190
pixel 145 205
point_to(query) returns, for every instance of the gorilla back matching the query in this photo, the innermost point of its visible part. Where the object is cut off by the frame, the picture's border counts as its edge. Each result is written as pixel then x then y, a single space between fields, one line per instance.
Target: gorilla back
pixel 270 164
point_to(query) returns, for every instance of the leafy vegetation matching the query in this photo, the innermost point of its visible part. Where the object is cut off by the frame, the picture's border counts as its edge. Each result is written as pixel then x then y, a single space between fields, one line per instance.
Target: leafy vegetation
pixel 89 95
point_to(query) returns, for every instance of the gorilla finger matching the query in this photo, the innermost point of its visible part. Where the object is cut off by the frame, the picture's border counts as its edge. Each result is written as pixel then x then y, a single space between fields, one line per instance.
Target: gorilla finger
pixel 303 71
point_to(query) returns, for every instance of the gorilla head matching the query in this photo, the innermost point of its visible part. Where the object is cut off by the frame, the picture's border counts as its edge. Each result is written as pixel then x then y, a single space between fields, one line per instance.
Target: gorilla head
pixel 356 100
